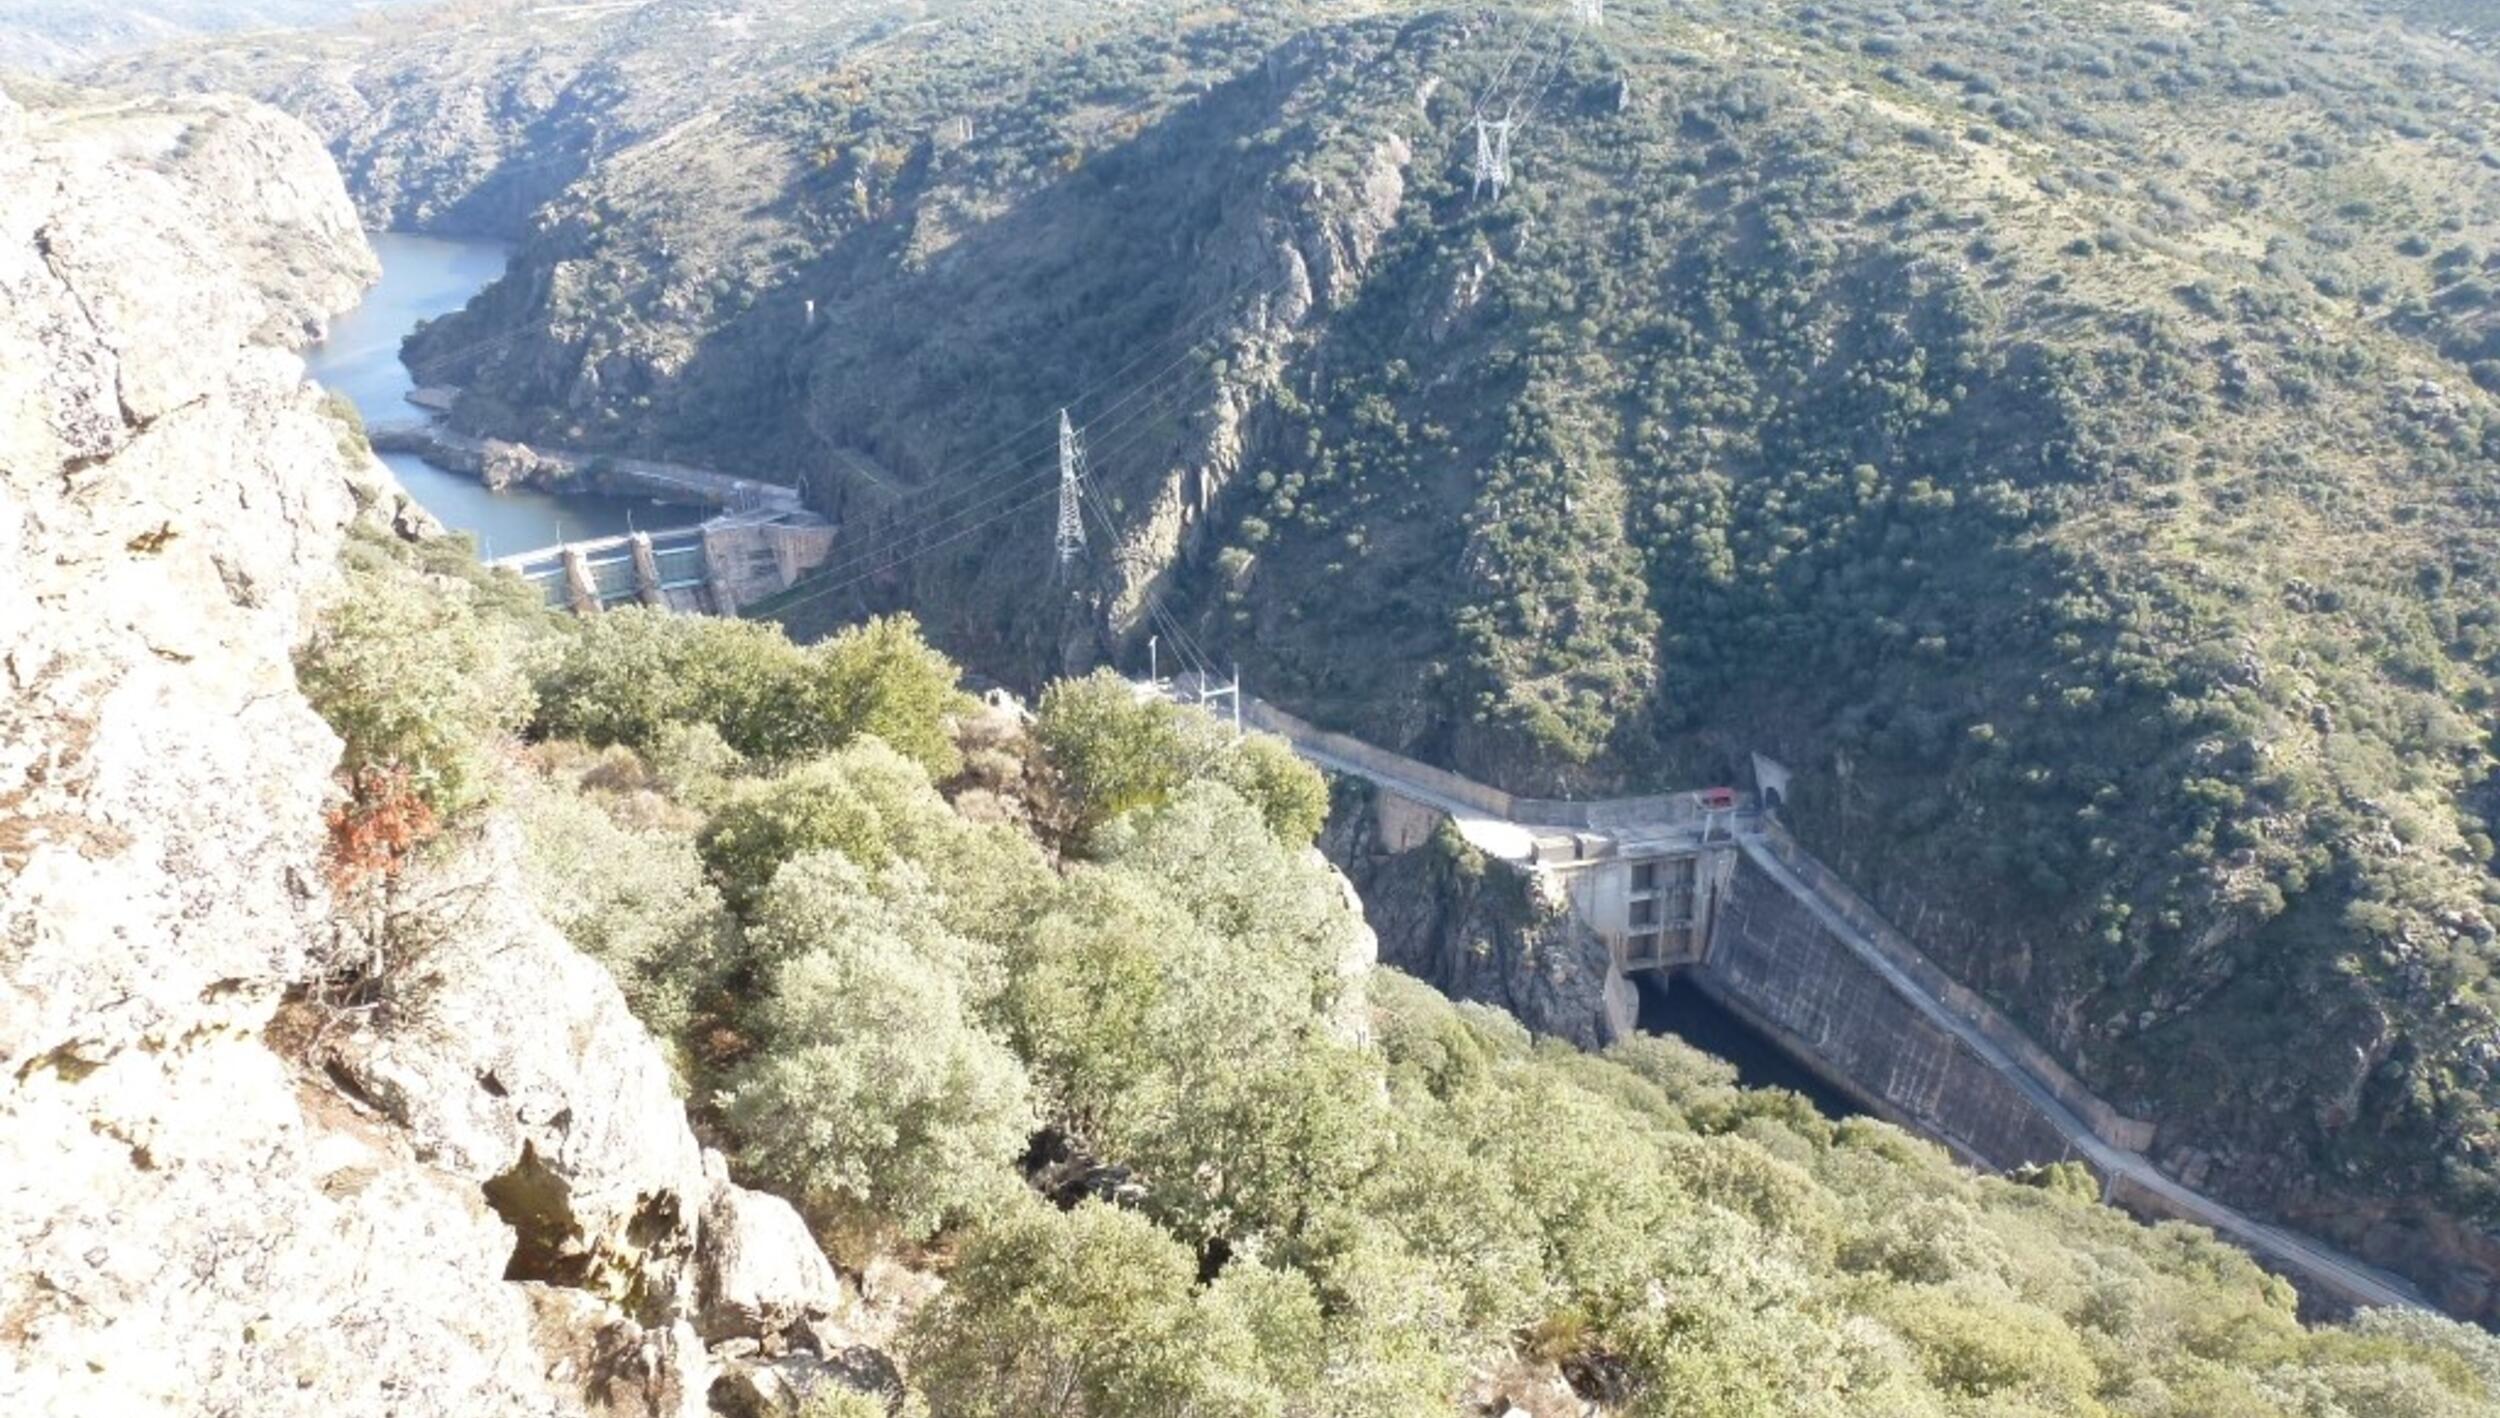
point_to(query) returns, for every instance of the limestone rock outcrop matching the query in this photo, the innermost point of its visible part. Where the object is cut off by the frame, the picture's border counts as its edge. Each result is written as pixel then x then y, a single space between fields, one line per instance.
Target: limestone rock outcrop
pixel 490 1204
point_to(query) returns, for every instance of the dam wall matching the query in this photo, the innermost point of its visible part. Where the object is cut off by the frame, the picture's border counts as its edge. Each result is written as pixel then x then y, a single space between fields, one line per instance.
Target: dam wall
pixel 1868 925
pixel 1776 963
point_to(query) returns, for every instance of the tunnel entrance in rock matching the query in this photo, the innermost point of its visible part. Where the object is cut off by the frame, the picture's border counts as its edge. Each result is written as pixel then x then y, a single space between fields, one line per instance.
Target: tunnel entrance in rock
pixel 1672 1004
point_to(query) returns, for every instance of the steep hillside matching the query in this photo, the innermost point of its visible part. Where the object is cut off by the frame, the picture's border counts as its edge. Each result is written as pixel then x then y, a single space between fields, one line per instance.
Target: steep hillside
pixel 2062 432
pixel 382 951
pixel 1064 1005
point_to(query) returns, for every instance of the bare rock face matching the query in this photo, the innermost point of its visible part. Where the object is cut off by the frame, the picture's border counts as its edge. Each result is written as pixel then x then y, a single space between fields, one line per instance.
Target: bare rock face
pixel 1474 928
pixel 488 1203
pixel 512 1063
pixel 761 1271
pixel 1341 232
pixel 193 1228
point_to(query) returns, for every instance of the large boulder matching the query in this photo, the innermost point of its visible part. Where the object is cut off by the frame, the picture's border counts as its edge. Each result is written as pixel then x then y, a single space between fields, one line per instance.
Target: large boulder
pixel 761 1270
pixel 512 1061
pixel 784 1387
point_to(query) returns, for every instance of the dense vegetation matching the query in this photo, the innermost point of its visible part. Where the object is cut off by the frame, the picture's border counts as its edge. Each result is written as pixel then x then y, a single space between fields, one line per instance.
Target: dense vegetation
pixel 1102 1053
pixel 2065 432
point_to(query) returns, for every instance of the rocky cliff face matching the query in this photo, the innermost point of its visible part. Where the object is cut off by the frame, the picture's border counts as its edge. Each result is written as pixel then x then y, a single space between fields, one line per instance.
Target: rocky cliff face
pixel 490 1203
pixel 1475 928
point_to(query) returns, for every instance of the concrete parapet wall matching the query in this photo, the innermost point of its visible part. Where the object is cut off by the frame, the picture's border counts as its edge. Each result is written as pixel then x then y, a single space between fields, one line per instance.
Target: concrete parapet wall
pixel 2106 1122
pixel 1492 802
pixel 1773 956
pixel 1404 824
pixel 1646 812
pixel 1606 813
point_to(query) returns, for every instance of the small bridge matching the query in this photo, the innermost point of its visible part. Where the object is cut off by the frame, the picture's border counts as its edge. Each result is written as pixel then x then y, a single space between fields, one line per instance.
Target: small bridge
pixel 1713 888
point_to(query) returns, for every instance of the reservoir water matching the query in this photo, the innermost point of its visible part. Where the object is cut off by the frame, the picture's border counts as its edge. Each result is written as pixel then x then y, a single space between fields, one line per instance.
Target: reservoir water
pixel 423 277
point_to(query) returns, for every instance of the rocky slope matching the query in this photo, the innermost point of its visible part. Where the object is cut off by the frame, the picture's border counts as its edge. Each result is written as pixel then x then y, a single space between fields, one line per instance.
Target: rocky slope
pixel 2063 432
pixel 485 1199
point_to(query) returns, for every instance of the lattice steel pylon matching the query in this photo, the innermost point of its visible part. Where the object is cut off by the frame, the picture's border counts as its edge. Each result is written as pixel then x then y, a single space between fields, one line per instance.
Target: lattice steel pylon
pixel 1071 494
pixel 1592 13
pixel 1492 155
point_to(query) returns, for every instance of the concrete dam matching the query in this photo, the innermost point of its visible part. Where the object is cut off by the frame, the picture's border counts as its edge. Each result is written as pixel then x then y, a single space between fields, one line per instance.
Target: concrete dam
pixel 717 568
pixel 1710 889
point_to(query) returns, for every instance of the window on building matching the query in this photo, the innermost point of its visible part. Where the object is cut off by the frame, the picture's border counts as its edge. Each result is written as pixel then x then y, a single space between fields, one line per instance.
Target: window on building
pixel 1645 911
pixel 1645 877
pixel 1641 949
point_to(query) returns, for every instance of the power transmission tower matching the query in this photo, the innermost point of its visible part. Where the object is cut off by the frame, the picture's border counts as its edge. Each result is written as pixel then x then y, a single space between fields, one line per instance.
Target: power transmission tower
pixel 1071 495
pixel 1492 155
pixel 1592 13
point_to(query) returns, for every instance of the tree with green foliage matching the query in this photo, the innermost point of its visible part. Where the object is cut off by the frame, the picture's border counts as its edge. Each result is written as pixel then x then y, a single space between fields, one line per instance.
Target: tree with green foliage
pixel 1111 751
pixel 416 681
pixel 881 679
pixel 866 801
pixel 1280 904
pixel 1290 794
pixel 1108 749
pixel 873 1093
pixel 1182 1006
pixel 1095 1311
pixel 631 675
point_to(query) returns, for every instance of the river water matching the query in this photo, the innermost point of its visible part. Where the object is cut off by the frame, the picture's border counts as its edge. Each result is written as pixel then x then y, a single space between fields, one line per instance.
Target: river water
pixel 423 277
pixel 1674 1006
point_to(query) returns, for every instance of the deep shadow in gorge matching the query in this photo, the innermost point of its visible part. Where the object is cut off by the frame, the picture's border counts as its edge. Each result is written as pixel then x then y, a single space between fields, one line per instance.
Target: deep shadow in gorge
pixel 1670 1005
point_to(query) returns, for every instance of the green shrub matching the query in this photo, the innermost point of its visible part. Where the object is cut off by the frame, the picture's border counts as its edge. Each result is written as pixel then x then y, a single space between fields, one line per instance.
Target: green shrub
pixel 635 900
pixel 874 1095
pixel 1096 1312
pixel 415 681
pixel 1111 752
pixel 1291 795
pixel 880 679
pixel 631 676
pixel 866 802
